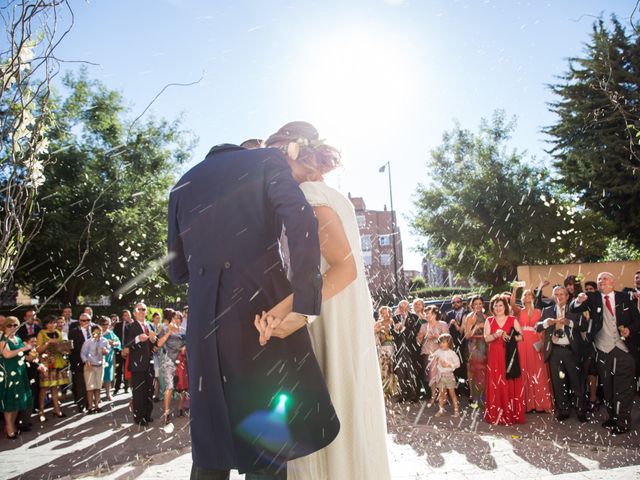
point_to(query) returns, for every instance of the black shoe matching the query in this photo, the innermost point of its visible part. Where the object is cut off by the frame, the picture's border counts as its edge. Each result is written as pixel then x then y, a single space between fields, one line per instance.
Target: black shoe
pixel 609 423
pixel 561 417
pixel 617 430
pixel 13 436
pixel 582 418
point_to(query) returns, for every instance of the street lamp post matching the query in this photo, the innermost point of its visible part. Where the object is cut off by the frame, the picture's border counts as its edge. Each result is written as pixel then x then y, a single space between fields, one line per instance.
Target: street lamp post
pixel 393 230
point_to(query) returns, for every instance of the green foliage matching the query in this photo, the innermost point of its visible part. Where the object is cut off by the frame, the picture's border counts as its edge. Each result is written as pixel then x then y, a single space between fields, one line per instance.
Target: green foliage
pixel 417 283
pixel 595 140
pixel 488 210
pixel 620 250
pixel 105 199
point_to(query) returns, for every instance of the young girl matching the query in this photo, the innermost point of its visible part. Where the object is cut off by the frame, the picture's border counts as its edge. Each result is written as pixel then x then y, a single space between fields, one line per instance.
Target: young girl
pixel 445 361
pixel 92 354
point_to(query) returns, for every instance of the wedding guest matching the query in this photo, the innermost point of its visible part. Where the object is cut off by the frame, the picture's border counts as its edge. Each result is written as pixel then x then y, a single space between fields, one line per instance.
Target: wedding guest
pixel 613 330
pixel 67 320
pixel 78 336
pixel 28 327
pixel 445 362
pixel 156 327
pixel 590 286
pixel 504 402
pixel 140 340
pixel 573 286
pixel 477 347
pixel 428 341
pixel 418 310
pixel 406 326
pixel 172 342
pixel 114 346
pixel 182 381
pixel 589 364
pixel 563 350
pixel 455 319
pixel 120 328
pixel 383 330
pixel 15 392
pixel 535 372
pixel 93 353
pixel 54 376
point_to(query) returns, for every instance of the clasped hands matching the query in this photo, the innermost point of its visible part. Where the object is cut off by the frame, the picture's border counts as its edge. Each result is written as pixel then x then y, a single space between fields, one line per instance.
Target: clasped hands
pixel 271 326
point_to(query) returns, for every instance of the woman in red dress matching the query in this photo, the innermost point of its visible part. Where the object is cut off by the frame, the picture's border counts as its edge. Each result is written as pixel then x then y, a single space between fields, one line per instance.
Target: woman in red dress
pixel 504 397
pixel 535 372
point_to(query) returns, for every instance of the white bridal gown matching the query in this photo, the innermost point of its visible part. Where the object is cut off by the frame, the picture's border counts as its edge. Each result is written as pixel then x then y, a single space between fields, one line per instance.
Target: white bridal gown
pixel 344 344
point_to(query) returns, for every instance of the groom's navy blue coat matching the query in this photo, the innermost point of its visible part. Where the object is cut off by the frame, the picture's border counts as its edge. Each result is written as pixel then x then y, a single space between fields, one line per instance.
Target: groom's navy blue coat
pixel 225 219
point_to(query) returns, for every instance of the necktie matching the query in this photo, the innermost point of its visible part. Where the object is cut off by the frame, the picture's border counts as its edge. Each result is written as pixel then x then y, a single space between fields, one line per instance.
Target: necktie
pixel 144 327
pixel 86 334
pixel 30 329
pixel 608 305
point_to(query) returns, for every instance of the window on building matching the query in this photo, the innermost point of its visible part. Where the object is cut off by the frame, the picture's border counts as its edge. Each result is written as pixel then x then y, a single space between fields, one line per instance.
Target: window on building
pixel 385 240
pixel 365 243
pixel 362 221
pixel 366 256
pixel 385 259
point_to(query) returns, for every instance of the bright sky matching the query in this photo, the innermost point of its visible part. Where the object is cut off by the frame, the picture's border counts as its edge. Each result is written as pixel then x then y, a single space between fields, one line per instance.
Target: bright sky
pixel 380 79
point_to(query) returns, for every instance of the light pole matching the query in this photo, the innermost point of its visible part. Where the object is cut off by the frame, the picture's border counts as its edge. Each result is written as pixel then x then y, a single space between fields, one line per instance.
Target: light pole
pixel 393 229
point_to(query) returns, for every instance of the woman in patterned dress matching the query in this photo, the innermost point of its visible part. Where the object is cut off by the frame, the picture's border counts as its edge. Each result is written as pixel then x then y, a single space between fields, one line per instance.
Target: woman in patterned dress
pixel 55 376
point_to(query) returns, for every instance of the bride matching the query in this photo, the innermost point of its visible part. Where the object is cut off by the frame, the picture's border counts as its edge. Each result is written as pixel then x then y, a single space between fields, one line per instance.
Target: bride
pixel 342 335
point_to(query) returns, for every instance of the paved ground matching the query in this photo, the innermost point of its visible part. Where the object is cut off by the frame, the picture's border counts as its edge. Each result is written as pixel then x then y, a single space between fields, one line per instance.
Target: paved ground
pixel 421 446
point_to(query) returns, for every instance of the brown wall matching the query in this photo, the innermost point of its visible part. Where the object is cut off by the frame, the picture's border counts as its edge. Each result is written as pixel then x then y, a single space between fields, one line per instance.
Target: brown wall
pixel 622 271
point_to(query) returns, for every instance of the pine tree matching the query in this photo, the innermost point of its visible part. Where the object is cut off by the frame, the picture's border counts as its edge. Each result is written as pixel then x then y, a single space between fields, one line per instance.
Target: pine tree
pixel 596 138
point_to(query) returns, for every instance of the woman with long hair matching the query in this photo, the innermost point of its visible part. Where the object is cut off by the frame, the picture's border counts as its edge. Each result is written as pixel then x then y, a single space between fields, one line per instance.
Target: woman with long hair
pixel 538 394
pixel 428 340
pixel 477 361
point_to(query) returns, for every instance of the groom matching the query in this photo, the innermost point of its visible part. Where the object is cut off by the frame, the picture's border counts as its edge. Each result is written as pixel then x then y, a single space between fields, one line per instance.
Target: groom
pixel 253 407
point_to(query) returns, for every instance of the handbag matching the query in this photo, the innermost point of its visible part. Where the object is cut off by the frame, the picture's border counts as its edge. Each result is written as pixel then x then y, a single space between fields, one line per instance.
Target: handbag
pixel 512 360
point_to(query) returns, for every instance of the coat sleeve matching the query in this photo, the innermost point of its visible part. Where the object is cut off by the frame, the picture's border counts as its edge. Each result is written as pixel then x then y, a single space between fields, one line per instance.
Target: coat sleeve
pixel 177 268
pixel 293 210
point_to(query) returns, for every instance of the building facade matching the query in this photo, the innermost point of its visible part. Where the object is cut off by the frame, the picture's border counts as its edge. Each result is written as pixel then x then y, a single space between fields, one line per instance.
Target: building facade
pixel 377 242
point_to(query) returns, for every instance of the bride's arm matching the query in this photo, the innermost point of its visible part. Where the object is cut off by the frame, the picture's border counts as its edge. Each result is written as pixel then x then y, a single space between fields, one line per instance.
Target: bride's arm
pixel 335 248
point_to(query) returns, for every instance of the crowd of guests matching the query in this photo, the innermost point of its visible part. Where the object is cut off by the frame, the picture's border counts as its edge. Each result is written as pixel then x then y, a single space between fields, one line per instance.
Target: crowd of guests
pixel 577 351
pixel 91 358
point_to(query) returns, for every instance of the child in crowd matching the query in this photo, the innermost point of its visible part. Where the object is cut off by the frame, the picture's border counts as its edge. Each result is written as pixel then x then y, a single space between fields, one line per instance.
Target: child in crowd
pixel 446 361
pixel 93 352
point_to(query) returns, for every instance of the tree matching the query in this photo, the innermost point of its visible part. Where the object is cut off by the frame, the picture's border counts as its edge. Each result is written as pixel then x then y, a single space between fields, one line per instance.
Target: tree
pixel 596 138
pixel 104 205
pixel 487 210
pixel 32 31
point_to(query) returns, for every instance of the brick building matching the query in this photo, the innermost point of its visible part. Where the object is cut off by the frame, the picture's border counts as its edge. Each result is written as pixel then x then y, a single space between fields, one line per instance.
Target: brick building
pixel 376 241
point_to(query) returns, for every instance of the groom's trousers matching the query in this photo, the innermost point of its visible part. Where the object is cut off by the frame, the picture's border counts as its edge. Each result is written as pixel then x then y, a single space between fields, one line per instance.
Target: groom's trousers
pixel 204 474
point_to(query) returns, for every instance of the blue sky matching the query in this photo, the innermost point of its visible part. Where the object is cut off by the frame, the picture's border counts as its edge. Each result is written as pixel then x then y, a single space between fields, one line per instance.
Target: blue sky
pixel 380 79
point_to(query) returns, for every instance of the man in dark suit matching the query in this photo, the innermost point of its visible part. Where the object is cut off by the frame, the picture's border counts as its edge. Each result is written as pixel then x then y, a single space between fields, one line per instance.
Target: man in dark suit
pixel 225 218
pixel 139 341
pixel 28 327
pixel 455 319
pixel 564 351
pixel 613 329
pixel 120 329
pixel 407 362
pixel 78 336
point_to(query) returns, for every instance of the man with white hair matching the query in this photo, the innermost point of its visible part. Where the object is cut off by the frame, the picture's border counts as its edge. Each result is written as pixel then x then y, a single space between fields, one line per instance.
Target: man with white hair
pixel 614 324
